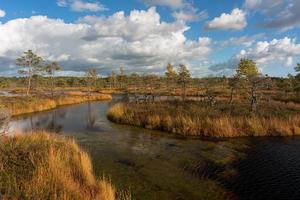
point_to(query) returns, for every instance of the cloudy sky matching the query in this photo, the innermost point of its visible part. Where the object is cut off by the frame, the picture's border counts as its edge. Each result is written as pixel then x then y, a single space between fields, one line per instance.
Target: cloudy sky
pixel 209 36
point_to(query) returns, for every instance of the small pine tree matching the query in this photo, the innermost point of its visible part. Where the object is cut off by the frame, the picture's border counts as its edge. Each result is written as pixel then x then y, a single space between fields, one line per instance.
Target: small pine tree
pixel 184 77
pixel 171 76
pixel 32 64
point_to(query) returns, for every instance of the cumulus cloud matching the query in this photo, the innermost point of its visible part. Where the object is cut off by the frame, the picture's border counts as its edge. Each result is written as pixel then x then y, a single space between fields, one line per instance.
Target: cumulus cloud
pixel 183 10
pixel 236 20
pixel 190 15
pixel 81 6
pixel 275 51
pixel 2 13
pixel 139 41
pixel 279 14
pixel 282 52
pixel 245 40
pixel 174 4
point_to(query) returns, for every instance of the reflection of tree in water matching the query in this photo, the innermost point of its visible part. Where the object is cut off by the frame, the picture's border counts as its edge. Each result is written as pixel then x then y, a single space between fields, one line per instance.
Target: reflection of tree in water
pixel 91 119
pixel 53 124
pixel 50 121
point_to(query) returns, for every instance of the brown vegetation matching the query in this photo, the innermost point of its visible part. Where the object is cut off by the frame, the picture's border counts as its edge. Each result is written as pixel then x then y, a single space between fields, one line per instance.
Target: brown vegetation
pixel 29 104
pixel 198 119
pixel 47 166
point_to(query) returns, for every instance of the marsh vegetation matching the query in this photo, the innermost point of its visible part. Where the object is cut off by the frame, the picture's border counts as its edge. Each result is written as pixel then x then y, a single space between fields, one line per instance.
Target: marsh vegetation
pixel 43 165
pixel 193 118
pixel 246 104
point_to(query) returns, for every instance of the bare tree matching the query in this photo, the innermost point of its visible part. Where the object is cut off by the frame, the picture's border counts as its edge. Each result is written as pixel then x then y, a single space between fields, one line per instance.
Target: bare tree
pixel 210 92
pixel 112 80
pixel 32 64
pixel 122 78
pixel 51 69
pixel 233 84
pixel 91 79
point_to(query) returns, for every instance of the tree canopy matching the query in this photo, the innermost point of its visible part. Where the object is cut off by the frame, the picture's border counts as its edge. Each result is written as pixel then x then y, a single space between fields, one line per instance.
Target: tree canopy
pixel 247 68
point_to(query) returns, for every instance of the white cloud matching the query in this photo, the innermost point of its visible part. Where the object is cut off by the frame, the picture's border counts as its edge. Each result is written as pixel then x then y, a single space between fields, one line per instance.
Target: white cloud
pixel 277 50
pixel 289 61
pixel 81 6
pixel 183 10
pixel 278 14
pixel 190 15
pixel 2 13
pixel 265 6
pixel 236 20
pixel 62 3
pixel 245 40
pixel 139 42
pixel 174 4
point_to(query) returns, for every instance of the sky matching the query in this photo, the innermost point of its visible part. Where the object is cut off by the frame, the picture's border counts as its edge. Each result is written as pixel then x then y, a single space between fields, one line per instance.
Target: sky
pixel 142 36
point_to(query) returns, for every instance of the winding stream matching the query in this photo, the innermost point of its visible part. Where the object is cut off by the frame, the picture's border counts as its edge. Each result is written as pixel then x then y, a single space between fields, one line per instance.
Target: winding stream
pixel 156 165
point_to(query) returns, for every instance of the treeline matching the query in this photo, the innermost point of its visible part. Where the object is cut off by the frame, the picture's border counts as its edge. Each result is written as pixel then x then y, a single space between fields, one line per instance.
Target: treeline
pixel 176 81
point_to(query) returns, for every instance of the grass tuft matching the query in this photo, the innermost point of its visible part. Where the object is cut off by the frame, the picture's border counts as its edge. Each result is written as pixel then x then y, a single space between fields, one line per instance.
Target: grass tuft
pixel 47 166
pixel 29 104
pixel 197 119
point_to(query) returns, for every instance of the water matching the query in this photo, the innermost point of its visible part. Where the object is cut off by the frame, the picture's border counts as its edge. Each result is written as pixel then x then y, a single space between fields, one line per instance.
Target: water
pixel 156 165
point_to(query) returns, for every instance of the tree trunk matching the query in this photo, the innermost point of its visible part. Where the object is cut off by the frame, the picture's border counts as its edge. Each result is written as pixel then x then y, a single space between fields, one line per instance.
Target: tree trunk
pixel 254 105
pixel 29 85
pixel 52 86
pixel 231 96
pixel 253 99
pixel 183 91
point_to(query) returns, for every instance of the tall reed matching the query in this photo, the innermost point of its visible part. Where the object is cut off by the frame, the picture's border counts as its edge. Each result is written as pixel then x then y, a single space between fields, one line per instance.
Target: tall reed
pixel 198 119
pixel 23 105
pixel 47 166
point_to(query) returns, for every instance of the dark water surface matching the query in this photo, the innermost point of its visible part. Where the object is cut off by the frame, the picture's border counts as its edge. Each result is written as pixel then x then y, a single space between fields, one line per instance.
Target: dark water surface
pixel 156 165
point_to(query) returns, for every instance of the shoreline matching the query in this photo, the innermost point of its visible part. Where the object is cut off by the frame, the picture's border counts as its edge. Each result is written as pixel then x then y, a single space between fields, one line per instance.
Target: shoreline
pixel 52 166
pixel 31 104
pixel 196 126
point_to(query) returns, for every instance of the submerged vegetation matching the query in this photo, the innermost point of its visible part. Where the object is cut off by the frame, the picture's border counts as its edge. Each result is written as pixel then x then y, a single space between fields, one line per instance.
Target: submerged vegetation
pixel 47 166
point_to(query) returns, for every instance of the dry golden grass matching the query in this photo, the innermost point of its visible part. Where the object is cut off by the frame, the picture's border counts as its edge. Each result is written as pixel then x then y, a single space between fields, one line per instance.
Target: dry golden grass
pixel 23 105
pixel 192 119
pixel 75 93
pixel 47 166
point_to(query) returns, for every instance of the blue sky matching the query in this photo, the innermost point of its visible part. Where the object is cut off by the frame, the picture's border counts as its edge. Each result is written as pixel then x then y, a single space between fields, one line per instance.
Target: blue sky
pixel 209 36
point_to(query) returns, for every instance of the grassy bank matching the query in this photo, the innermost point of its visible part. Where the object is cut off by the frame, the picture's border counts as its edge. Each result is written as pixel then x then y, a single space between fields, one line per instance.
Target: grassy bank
pixel 48 166
pixel 29 104
pixel 198 119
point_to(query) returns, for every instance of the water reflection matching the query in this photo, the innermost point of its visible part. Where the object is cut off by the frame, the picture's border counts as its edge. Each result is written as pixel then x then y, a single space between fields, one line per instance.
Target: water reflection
pixel 157 165
pixel 91 118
